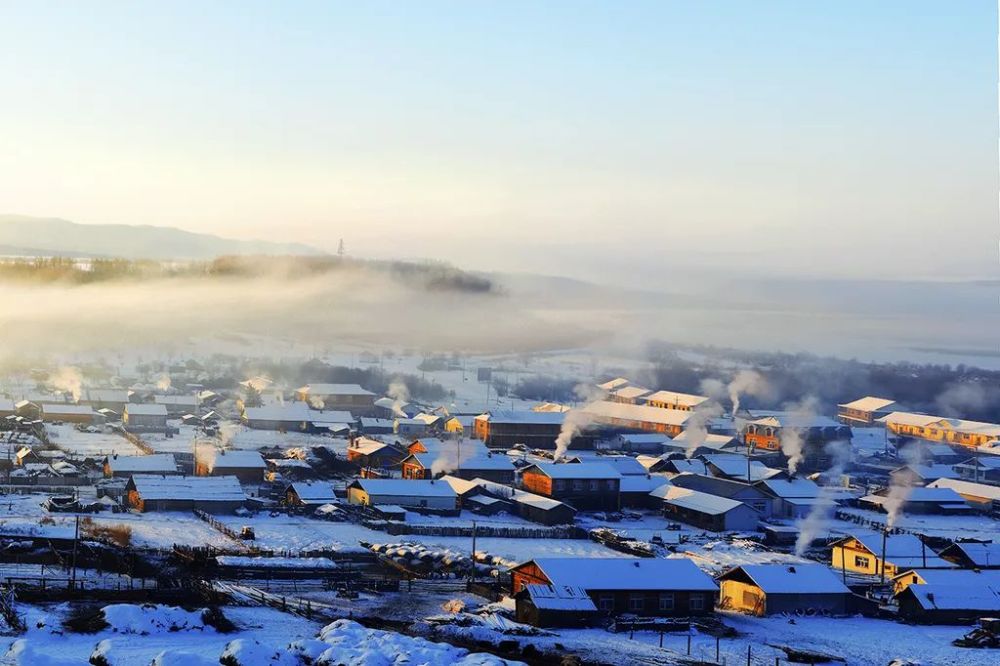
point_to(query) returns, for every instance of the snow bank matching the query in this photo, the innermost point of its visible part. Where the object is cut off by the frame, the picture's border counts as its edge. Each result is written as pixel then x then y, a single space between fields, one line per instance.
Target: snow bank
pixel 152 619
pixel 347 643
pixel 22 653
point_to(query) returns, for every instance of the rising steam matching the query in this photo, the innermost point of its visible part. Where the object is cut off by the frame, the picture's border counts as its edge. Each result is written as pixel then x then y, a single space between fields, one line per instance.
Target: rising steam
pixel 792 440
pixel 746 382
pixel 696 427
pixel 813 525
pixel 400 395
pixel 163 382
pixel 68 379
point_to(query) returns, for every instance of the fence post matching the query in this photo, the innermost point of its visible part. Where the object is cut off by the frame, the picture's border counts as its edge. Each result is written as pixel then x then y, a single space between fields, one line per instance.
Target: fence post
pixel 689 643
pixel 748 654
pixel 717 639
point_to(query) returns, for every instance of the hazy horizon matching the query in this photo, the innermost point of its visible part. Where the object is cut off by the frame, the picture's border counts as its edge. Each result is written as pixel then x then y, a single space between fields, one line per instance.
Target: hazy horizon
pixel 617 144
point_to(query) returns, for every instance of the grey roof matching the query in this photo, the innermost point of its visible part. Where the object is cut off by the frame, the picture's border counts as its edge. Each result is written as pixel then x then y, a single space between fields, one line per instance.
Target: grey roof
pixel 235 458
pixel 405 487
pixel 699 501
pixel 206 488
pixel 160 462
pixel 576 470
pixel 137 409
pixel 335 389
pixel 560 598
pixel 714 485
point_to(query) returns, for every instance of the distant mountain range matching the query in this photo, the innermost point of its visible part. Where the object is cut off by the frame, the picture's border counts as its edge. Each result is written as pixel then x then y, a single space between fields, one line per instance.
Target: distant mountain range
pixel 34 236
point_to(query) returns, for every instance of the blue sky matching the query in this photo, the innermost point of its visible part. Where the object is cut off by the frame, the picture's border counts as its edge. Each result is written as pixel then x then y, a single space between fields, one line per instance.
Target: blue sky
pixel 558 137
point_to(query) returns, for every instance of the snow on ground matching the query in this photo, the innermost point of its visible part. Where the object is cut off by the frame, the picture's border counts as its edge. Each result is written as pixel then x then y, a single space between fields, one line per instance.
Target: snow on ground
pixel 128 646
pixel 89 444
pixel 246 438
pixel 951 527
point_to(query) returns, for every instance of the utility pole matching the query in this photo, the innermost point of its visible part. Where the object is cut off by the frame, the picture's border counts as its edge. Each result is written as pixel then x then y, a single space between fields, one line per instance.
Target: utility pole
pixel 472 569
pixel 76 539
pixel 885 536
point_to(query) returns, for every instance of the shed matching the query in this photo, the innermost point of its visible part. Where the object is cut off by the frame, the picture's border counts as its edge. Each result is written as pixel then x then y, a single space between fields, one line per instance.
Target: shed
pixel 973 554
pixel 554 606
pixel 311 495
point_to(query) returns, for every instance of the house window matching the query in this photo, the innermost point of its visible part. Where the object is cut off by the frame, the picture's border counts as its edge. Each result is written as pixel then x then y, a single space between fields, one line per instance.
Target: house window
pixel 593 485
pixel 667 601
pixel 606 603
pixel 697 602
pixel 636 603
pixel 560 485
pixel 860 561
pixel 578 485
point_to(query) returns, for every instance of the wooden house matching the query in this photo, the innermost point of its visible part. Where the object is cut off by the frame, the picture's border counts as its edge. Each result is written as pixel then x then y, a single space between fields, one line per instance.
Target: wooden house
pixel 862 553
pixel 920 500
pixel 344 397
pixel 144 418
pixel 769 589
pixel 644 587
pixel 374 454
pixel 638 417
pixel 981 469
pixel 247 466
pixel 751 495
pixel 707 512
pixel 629 395
pixel 738 468
pixel 948 604
pixel 644 442
pixel 98 399
pixel 437 495
pixel 979 495
pixel 684 402
pixel 122 467
pixel 310 494
pixel 921 475
pixel 792 498
pixel 492 467
pixel 535 430
pixel 586 486
pixel 177 405
pixel 927 427
pixel 865 411
pixel 947 577
pixel 67 413
pixel 527 505
pixel 973 554
pixel 212 494
pixel 815 432
pixel 554 606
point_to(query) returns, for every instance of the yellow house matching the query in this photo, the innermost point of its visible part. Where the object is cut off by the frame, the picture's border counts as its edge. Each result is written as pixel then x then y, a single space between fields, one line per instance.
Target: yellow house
pixel 673 400
pixel 459 425
pixel 972 578
pixel 939 429
pixel 862 554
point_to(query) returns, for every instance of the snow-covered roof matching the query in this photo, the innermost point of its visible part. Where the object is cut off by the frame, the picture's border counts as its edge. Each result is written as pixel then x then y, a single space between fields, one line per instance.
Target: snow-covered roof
pixel 791 488
pixel 215 488
pixel 275 562
pixel 236 458
pixel 139 409
pixel 391 403
pixel 791 579
pixel 405 487
pixel 930 472
pixel 625 573
pixel 491 463
pixel 868 404
pixel 968 488
pixel 991 462
pixel 947 597
pixel 958 425
pixel 334 389
pixel 736 466
pixel 612 384
pixel 372 422
pixel 675 398
pixel 576 470
pixel 630 392
pixel 644 438
pixel 926 494
pixel 458 484
pixel 625 465
pixel 517 417
pixel 292 411
pixel 954 577
pixel 904 550
pixel 710 441
pixel 981 554
pixel 603 409
pixel 366 446
pixel 642 484
pixel 158 462
pixel 315 492
pixel 107 395
pixel 185 400
pixel 52 409
pixel 560 598
pixel 699 501
pixel 692 466
pixel 799 421
pixel 521 496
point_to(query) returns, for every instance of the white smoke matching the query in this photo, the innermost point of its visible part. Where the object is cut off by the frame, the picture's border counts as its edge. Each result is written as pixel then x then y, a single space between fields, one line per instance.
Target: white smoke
pixel 900 486
pixel 574 424
pixel 813 525
pixel 451 456
pixel 227 431
pixel 163 382
pixel 713 388
pixel 68 379
pixel 400 395
pixel 792 440
pixel 746 382
pixel 315 402
pixel 696 427
pixel 959 399
pixel 205 452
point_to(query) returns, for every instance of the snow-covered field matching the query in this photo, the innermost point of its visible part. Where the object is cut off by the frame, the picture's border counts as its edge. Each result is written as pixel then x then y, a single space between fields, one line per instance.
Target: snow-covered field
pixel 89 444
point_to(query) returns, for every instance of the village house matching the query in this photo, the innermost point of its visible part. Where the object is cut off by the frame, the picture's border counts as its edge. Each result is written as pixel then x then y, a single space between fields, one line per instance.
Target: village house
pixel 973 554
pixel 436 495
pixel 98 399
pixel 144 418
pixel 535 430
pixel 614 384
pixel 921 475
pixel 769 589
pixel 459 425
pixel 815 433
pixel 981 469
pixel 979 495
pixel 247 466
pixel 177 405
pixel 930 428
pixel 345 397
pixel 675 463
pixel 691 444
pixel 293 416
pixel 637 417
pixel 948 604
pixel 411 427
pixel 642 442
pixel 586 486
pixel 374 454
pixel 705 511
pixel 793 498
pixel 472 496
pixel 67 413
pixel 946 577
pixel 865 412
pixel 390 408
pixel 7 408
pixel 122 467
pixel 375 426
pixel 628 395
pixel 920 501
pixel 530 506
pixel 684 402
pixel 419 466
pixel 861 553
pixel 310 495
pixel 751 495
pixel 738 468
pixel 491 467
pixel 634 491
pixel 644 587
pixel 212 494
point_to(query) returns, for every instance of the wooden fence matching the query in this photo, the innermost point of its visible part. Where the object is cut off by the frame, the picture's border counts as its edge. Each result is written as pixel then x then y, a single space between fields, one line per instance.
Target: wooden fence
pixel 498 531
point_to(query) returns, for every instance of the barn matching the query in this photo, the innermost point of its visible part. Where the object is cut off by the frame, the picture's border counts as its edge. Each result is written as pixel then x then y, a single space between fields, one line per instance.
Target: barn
pixel 647 587
pixel 212 494
pixel 346 397
pixel 769 589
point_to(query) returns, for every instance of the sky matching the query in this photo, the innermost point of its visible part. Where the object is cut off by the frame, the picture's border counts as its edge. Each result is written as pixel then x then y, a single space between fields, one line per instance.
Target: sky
pixel 622 140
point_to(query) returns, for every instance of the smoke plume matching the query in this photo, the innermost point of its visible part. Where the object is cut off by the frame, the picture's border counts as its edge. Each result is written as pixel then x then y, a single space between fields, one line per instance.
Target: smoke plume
pixel 68 379
pixel 746 382
pixel 451 456
pixel 163 382
pixel 959 399
pixel 696 427
pixel 814 524
pixel 205 453
pixel 574 424
pixel 792 440
pixel 900 487
pixel 400 395
pixel 315 402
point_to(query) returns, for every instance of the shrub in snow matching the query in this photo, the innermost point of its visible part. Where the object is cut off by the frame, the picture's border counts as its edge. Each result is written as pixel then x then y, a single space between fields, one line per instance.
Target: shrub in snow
pixel 243 652
pixel 23 653
pixel 176 658
pixel 152 619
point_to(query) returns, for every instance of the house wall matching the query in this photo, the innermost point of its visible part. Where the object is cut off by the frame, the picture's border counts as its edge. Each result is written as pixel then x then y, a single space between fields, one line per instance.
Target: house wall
pixel 742 597
pixel 413 470
pixel 854 557
pixel 936 433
